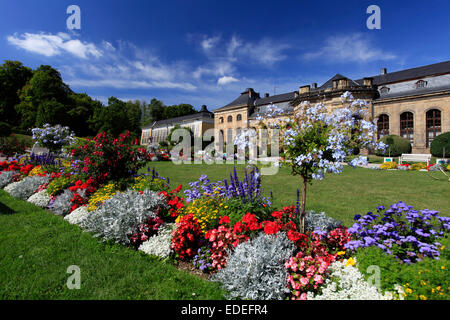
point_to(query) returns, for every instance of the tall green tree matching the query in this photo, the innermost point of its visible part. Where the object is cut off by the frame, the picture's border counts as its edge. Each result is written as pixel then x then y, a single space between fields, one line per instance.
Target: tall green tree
pixel 13 77
pixel 81 114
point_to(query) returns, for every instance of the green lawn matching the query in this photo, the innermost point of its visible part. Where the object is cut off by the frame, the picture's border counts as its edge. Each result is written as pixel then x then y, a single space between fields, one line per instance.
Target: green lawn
pixel 37 247
pixel 355 191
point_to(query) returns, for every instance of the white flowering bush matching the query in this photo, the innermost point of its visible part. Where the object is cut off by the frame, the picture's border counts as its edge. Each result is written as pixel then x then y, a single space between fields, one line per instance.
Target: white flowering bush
pixel 6 178
pixel 78 216
pixel 255 269
pixel 23 189
pixel 345 282
pixel 120 216
pixel 40 199
pixel 161 244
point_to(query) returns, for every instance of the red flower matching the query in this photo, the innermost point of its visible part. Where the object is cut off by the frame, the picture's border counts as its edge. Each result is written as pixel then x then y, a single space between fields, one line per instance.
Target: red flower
pixel 224 220
pixel 271 227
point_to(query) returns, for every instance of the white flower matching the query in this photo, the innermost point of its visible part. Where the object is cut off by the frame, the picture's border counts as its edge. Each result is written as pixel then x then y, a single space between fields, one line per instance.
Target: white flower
pixel 77 216
pixel 160 244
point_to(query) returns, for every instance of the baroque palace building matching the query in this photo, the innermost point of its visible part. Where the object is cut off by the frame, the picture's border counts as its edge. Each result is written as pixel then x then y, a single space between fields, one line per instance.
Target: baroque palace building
pixel 412 103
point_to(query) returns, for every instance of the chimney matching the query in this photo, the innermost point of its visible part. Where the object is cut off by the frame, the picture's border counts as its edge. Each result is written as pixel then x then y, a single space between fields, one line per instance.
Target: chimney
pixel 383 70
pixel 368 82
pixel 314 85
pixel 204 109
pixel 304 89
pixel 266 95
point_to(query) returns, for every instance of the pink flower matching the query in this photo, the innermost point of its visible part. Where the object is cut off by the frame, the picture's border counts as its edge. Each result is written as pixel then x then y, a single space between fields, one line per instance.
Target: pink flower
pixel 303 296
pixel 304 281
pixel 318 278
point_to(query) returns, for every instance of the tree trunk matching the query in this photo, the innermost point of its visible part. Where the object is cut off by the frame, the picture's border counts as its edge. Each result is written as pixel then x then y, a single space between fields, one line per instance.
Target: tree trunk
pixel 303 206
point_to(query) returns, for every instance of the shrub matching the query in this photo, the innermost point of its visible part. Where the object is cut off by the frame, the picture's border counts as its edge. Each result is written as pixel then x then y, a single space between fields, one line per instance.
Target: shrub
pixel 187 237
pixel 6 177
pixel 345 282
pixel 160 245
pixel 389 165
pixel 439 143
pixel 53 137
pixel 77 216
pixel 255 270
pixel 418 166
pixel 27 187
pixel 40 199
pixel 11 145
pixel 120 216
pixel 401 231
pixel 320 221
pixel 398 145
pixel 62 204
pixel 5 129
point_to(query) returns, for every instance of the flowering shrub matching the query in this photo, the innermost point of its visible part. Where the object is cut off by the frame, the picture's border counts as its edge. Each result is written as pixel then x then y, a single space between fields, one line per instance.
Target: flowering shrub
pixel 203 260
pixel 255 269
pixel 146 230
pixel 205 210
pixel 401 231
pixel 120 216
pixel 389 165
pixel 187 237
pixel 60 182
pixel 40 199
pixel 418 166
pixel 53 137
pixel 109 158
pixel 345 282
pixel 160 245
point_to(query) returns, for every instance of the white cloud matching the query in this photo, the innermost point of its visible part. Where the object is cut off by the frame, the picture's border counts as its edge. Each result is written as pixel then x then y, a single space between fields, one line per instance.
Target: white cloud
pixel 51 45
pixel 349 48
pixel 226 80
pixel 209 43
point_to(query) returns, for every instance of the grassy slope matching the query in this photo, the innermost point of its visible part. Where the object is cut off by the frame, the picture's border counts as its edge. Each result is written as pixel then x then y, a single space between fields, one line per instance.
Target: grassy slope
pixel 37 247
pixel 355 191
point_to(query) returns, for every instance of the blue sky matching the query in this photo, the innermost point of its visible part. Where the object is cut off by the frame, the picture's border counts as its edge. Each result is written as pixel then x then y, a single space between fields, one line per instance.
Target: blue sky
pixel 207 52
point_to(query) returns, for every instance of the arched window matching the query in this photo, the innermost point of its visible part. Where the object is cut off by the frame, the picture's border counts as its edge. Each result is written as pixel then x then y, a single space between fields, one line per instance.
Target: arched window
pixel 230 119
pixel 383 126
pixel 384 90
pixel 407 126
pixel 433 125
pixel 421 84
pixel 221 120
pixel 239 117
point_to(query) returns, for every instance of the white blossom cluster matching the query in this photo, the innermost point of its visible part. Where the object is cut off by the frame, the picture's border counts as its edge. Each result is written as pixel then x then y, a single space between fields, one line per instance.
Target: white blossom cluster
pixel 77 216
pixel 345 282
pixel 40 199
pixel 160 244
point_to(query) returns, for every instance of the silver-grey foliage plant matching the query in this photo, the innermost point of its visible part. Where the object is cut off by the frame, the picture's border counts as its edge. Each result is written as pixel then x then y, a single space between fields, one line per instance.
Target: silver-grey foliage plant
pixel 28 186
pixel 5 178
pixel 255 269
pixel 122 214
pixel 319 220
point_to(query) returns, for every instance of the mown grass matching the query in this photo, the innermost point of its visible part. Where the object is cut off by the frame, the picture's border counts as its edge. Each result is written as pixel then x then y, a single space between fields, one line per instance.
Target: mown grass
pixel 37 247
pixel 341 196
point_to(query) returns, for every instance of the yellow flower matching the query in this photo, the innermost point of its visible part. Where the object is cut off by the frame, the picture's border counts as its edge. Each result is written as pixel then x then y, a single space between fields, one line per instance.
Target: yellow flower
pixel 422 297
pixel 443 267
pixel 340 253
pixel 423 282
pixel 350 262
pixel 438 288
pixel 408 291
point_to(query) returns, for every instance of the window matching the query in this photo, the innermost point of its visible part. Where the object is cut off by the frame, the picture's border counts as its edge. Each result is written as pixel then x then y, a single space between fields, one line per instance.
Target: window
pixel 407 126
pixel 421 84
pixel 239 117
pixel 384 90
pixel 221 120
pixel 383 126
pixel 230 119
pixel 229 136
pixel 433 125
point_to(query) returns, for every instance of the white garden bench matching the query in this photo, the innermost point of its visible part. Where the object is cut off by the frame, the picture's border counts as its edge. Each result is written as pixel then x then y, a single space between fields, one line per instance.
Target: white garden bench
pixel 415 157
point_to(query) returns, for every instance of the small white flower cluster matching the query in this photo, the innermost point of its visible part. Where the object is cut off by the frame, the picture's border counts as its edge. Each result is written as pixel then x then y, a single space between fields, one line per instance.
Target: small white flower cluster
pixel 12 187
pixel 345 282
pixel 77 216
pixel 40 199
pixel 160 244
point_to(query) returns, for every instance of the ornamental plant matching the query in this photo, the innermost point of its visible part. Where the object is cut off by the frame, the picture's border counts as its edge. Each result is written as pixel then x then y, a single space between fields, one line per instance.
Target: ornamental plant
pixel 174 203
pixel 407 234
pixel 53 137
pixel 108 158
pixel 60 182
pixel 101 195
pixel 187 238
pixel 317 141
pixel 145 231
pixel 389 165
pixel 160 245
pixel 203 260
pixel 418 166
